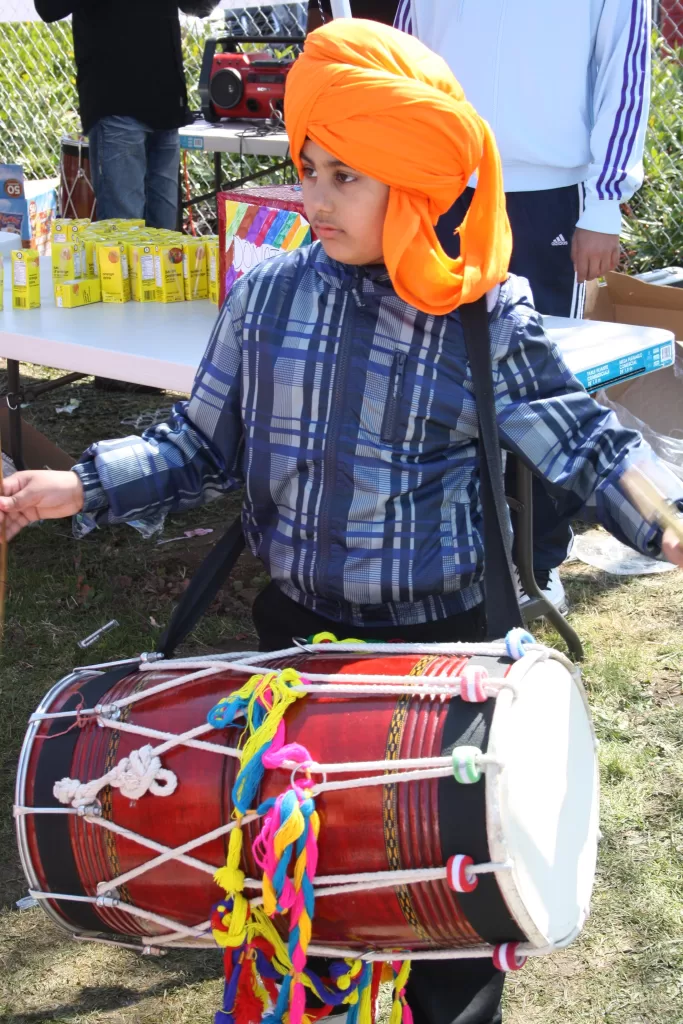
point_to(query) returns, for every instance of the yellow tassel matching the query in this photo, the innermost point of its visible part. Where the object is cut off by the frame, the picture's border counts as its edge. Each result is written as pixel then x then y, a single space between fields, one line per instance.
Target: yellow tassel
pixel 288 833
pixel 365 1008
pixel 231 878
pixel 269 900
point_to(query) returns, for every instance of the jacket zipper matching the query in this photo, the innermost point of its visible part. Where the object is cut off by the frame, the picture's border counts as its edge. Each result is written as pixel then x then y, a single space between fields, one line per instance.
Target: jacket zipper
pixel 395 394
pixel 330 460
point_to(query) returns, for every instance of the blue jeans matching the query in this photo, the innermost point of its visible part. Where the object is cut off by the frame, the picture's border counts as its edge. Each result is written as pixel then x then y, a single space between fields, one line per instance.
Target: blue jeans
pixel 135 171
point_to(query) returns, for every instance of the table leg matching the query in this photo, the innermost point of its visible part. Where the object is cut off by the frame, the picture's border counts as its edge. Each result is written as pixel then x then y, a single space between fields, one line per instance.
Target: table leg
pixel 538 604
pixel 14 412
pixel 217 171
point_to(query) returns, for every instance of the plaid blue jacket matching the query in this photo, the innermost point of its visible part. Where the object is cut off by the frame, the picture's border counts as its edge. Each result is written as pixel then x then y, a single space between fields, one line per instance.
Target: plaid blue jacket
pixel 350 419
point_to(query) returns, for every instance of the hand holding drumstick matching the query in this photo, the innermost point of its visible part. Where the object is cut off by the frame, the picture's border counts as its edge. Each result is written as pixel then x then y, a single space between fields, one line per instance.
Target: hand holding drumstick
pixel 640 484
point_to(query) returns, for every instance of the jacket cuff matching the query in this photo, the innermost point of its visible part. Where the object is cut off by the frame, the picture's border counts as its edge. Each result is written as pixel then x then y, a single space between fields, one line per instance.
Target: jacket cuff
pixel 94 495
pixel 602 215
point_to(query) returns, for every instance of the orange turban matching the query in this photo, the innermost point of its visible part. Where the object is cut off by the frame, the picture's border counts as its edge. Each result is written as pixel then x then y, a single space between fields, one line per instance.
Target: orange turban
pixel 381 102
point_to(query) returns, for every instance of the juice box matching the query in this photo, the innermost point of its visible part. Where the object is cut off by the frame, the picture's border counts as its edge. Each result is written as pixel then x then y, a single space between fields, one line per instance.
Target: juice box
pixel 69 294
pixel 142 272
pixel 195 270
pixel 66 261
pixel 68 229
pixel 25 279
pixel 168 267
pixel 88 251
pixel 113 263
pixel 213 267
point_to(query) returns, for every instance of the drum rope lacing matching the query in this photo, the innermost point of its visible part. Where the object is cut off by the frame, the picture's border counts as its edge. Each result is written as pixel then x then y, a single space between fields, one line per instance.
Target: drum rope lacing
pixel 140 772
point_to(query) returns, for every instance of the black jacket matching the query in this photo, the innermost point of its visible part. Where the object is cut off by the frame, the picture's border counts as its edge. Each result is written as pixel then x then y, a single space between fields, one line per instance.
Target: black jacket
pixel 128 57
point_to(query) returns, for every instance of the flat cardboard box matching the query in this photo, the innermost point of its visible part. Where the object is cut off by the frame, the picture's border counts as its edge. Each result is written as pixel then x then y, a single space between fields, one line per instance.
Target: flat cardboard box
pixel 39 453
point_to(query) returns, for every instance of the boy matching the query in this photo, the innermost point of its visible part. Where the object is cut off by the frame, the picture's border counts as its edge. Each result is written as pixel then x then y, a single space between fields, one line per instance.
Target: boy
pixel 335 387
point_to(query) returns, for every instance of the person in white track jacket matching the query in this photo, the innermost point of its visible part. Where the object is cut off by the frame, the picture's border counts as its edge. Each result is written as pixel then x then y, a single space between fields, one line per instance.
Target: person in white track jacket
pixel 565 87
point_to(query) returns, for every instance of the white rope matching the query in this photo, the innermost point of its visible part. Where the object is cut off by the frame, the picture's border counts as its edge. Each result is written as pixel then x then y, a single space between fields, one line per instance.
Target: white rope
pixel 186 739
pixel 135 775
pixel 171 854
pixel 109 902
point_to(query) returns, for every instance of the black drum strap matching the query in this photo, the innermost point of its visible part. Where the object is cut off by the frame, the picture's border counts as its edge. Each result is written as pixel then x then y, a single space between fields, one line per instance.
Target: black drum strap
pixel 501 604
pixel 204 585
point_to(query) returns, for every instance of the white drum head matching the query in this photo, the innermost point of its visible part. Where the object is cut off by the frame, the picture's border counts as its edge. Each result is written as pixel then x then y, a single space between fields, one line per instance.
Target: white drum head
pixel 542 807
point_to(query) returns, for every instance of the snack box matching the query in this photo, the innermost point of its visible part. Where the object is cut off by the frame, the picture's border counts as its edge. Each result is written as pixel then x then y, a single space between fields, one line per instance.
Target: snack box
pixel 69 294
pixel 141 261
pixel 195 270
pixel 66 261
pixel 168 267
pixel 113 265
pixel 25 279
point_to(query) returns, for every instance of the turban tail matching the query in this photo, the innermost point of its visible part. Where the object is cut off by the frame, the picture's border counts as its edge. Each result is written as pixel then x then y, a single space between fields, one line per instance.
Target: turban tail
pixel 388 107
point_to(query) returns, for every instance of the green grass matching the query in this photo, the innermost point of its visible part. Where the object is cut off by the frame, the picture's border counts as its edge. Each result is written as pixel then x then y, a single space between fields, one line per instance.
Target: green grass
pixel 627 968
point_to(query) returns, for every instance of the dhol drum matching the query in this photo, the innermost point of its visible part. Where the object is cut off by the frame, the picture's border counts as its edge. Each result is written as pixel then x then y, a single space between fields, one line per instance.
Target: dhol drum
pixel 456 789
pixel 76 192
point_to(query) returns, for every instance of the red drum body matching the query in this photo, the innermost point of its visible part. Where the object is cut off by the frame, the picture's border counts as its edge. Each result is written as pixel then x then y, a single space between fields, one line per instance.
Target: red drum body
pixel 376 828
pixel 76 192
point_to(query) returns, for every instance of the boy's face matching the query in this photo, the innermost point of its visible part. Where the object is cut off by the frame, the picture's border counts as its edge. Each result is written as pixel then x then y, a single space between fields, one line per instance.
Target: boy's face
pixel 345 209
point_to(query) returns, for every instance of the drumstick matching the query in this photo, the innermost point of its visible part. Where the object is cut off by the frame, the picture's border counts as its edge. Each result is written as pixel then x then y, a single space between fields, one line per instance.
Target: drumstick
pixel 3 555
pixel 642 489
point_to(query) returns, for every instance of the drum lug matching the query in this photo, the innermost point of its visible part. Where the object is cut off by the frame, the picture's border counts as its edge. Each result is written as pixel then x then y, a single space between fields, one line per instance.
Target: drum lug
pixel 110 711
pixel 149 656
pixel 110 899
pixel 90 810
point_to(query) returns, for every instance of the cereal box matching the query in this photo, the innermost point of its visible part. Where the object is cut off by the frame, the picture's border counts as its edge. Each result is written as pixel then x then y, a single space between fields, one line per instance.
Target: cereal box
pixel 142 272
pixel 25 279
pixel 168 267
pixel 66 261
pixel 113 264
pixel 195 271
pixel 69 294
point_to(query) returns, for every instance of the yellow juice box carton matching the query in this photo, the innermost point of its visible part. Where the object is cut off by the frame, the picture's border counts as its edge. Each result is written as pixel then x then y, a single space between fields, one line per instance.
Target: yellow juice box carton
pixel 143 287
pixel 66 261
pixel 88 250
pixel 113 263
pixel 67 229
pixel 168 267
pixel 213 269
pixel 195 269
pixel 25 279
pixel 69 294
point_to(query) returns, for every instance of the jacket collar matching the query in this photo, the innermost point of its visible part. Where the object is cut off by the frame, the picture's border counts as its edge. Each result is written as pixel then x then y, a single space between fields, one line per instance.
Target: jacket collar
pixel 343 275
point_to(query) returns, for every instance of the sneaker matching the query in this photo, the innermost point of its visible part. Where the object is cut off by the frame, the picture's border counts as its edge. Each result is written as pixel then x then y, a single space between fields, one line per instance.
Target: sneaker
pixel 550 584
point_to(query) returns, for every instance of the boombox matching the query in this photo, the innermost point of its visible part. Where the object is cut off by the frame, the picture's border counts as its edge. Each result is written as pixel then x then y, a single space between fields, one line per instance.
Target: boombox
pixel 241 85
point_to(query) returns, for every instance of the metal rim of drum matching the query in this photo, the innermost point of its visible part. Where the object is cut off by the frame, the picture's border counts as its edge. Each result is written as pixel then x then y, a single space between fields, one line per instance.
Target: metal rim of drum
pixel 226 88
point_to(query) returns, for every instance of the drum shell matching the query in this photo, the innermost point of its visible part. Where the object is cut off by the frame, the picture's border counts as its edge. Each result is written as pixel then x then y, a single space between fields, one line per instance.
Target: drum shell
pixel 374 828
pixel 76 192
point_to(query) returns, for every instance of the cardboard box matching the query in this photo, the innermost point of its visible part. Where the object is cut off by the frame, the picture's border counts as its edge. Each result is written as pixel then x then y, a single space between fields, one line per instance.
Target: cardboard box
pixel 70 294
pixel 142 272
pixel 626 300
pixel 655 399
pixel 168 267
pixel 25 279
pixel 39 453
pixel 255 224
pixel 113 264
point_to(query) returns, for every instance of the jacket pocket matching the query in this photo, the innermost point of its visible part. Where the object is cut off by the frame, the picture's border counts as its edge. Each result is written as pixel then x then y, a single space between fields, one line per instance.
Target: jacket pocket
pixel 394 395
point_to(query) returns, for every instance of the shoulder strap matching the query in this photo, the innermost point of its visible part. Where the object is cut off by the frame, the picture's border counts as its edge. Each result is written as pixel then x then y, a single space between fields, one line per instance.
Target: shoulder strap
pixel 501 604
pixel 204 585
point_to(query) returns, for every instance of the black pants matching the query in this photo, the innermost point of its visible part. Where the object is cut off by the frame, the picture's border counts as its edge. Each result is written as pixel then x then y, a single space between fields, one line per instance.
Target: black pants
pixel 542 226
pixel 439 992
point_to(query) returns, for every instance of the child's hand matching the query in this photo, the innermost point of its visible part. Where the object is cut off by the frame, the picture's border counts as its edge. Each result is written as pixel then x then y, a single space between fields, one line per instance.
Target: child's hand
pixel 39 494
pixel 672 547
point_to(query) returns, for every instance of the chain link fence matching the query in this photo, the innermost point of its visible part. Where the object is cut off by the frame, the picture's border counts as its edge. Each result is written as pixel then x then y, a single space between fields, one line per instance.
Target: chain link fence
pixel 38 106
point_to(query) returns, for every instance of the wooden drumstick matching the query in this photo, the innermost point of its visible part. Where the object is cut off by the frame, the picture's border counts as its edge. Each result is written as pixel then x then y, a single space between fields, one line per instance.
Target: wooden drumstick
pixel 652 504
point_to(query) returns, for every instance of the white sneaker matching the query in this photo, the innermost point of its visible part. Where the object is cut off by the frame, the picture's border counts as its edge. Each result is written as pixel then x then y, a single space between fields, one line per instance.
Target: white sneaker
pixel 551 587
